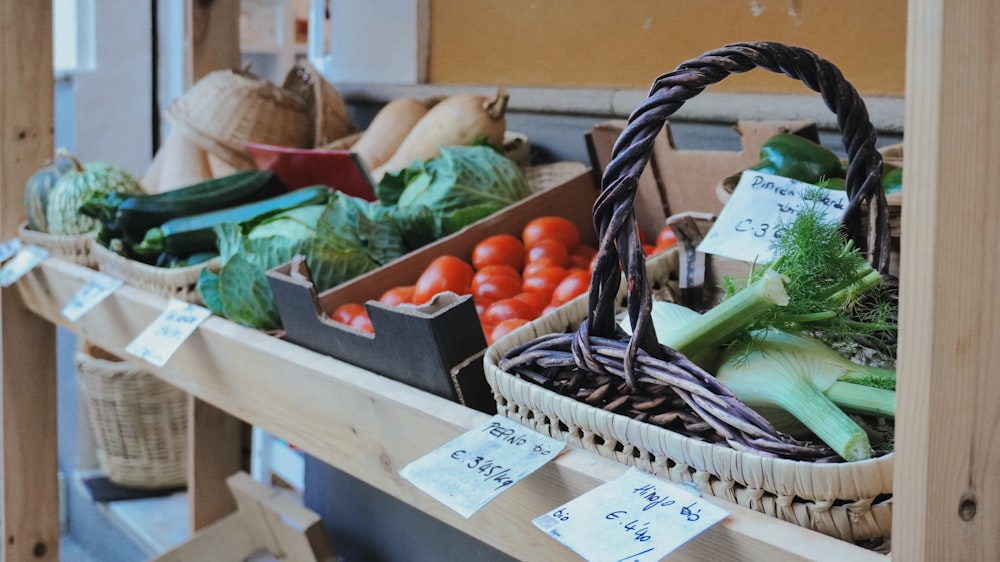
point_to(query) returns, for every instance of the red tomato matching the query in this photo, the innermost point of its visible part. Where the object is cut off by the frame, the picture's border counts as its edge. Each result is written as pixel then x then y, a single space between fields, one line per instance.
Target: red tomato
pixel 504 328
pixel 582 256
pixel 550 251
pixel 574 284
pixel 346 312
pixel 363 323
pixel 495 287
pixel 536 301
pixel 551 227
pixel 397 295
pixel 506 309
pixel 446 273
pixel 648 249
pixel 544 282
pixel 665 239
pixel 500 249
pixel 494 270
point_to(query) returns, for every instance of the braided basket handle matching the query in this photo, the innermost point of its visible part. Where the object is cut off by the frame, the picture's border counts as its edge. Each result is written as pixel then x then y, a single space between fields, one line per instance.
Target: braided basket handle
pixel 614 217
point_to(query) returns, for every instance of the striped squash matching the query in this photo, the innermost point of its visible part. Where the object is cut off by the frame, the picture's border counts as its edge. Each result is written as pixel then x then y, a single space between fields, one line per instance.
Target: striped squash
pixel 36 191
pixel 62 213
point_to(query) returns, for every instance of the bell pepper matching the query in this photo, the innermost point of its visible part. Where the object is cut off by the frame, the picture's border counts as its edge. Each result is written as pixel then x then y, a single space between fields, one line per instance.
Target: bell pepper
pixel 799 158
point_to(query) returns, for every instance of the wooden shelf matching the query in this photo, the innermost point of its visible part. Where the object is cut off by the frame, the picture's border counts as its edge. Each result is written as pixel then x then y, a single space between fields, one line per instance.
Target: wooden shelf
pixel 370 426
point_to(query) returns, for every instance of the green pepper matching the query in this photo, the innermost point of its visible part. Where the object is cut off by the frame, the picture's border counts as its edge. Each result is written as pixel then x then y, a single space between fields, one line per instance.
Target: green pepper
pixel 798 158
pixel 892 179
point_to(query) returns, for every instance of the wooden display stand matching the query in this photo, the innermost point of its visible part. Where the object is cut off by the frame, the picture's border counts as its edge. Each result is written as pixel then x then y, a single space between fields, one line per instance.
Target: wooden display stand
pixel 350 418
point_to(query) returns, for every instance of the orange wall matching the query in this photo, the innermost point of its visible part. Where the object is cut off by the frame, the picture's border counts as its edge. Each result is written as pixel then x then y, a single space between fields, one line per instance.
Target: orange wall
pixel 627 43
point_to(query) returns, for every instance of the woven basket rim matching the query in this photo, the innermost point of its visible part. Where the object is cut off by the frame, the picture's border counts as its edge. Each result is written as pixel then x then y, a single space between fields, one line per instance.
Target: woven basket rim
pixel 173 281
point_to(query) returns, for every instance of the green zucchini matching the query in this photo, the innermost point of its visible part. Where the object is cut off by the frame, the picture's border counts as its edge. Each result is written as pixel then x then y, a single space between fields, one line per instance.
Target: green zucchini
pixel 133 215
pixel 192 234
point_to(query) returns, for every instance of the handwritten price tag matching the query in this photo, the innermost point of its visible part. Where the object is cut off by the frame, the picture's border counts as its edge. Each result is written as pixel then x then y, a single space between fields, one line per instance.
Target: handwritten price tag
pixel 636 517
pixel 98 287
pixel 468 472
pixel 26 259
pixel 9 248
pixel 759 204
pixel 165 335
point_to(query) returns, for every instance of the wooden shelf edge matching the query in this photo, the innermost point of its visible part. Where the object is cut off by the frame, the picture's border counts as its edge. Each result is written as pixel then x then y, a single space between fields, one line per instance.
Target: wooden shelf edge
pixel 370 426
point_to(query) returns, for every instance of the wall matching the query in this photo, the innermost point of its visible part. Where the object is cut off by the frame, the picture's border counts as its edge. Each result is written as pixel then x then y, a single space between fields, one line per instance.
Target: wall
pixel 601 44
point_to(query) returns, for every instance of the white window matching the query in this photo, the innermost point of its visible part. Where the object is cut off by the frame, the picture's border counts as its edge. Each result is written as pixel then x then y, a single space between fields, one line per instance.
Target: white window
pixel 72 35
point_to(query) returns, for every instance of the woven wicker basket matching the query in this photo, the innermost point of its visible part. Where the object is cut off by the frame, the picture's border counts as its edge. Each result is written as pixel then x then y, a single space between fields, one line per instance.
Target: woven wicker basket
pixel 171 282
pixel 750 467
pixel 139 422
pixel 76 249
pixel 229 107
pixel 327 109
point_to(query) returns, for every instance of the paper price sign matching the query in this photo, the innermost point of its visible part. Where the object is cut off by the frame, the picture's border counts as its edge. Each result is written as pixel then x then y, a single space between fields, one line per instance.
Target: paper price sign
pixel 9 248
pixel 97 288
pixel 758 206
pixel 468 472
pixel 25 260
pixel 634 518
pixel 165 335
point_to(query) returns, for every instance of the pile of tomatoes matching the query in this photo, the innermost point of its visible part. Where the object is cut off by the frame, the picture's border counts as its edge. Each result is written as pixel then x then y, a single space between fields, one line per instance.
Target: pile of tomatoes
pixel 512 280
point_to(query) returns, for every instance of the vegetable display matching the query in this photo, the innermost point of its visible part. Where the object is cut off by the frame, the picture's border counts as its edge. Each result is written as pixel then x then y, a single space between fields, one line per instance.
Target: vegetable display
pixel 388 129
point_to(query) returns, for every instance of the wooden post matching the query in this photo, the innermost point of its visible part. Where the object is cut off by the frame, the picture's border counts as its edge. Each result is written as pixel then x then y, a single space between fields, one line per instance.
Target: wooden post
pixel 947 470
pixel 27 343
pixel 215 437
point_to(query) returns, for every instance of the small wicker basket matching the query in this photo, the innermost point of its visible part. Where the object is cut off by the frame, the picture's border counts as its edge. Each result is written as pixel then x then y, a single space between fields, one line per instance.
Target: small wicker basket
pixel 76 248
pixel 719 443
pixel 139 422
pixel 229 107
pixel 171 282
pixel 327 109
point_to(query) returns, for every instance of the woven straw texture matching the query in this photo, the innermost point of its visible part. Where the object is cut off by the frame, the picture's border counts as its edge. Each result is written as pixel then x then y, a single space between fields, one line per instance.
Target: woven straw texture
pixel 139 422
pixel 172 282
pixel 541 177
pixel 328 113
pixel 724 447
pixel 76 249
pixel 226 108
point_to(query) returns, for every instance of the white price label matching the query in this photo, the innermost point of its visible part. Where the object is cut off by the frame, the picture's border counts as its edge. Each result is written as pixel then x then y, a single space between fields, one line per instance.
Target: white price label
pixel 9 248
pixel 468 472
pixel 759 204
pixel 634 518
pixel 26 259
pixel 158 342
pixel 99 287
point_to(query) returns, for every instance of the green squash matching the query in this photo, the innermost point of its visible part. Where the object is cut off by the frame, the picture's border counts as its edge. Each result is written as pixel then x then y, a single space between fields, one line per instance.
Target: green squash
pixel 62 213
pixel 38 188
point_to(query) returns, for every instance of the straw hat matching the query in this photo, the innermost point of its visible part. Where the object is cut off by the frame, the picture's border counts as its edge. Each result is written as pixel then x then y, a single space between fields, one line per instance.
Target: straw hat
pixel 327 109
pixel 229 107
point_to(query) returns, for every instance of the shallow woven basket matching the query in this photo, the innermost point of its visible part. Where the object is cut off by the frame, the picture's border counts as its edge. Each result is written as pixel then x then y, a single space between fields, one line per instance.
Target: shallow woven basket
pixel 226 108
pixel 139 422
pixel 76 249
pixel 171 282
pixel 328 113
pixel 541 177
pixel 730 453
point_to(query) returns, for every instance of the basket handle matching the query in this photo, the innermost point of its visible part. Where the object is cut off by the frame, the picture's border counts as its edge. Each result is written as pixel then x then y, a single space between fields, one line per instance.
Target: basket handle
pixel 614 216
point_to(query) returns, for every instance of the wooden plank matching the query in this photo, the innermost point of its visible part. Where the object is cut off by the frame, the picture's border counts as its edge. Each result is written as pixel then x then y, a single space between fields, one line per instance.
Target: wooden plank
pixel 27 343
pixel 370 426
pixel 215 437
pixel 947 468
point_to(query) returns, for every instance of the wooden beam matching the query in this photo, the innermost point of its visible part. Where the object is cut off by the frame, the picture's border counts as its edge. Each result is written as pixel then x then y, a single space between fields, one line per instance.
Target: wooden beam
pixel 27 343
pixel 947 467
pixel 215 437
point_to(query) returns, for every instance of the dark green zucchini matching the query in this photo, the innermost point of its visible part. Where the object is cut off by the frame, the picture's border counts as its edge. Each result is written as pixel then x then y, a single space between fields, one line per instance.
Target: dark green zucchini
pixel 134 215
pixel 192 234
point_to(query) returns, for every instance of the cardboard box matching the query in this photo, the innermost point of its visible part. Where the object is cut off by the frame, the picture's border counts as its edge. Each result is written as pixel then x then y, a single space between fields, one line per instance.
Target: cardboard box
pixel 437 347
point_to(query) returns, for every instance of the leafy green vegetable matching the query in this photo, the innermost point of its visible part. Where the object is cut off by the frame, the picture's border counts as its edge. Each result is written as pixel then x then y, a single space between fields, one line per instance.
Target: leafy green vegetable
pixel 463 185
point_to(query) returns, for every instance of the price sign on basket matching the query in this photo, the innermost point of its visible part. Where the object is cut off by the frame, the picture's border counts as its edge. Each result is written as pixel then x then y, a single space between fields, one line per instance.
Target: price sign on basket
pixel 158 342
pixel 26 259
pixel 468 472
pixel 99 287
pixel 9 248
pixel 758 206
pixel 634 518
